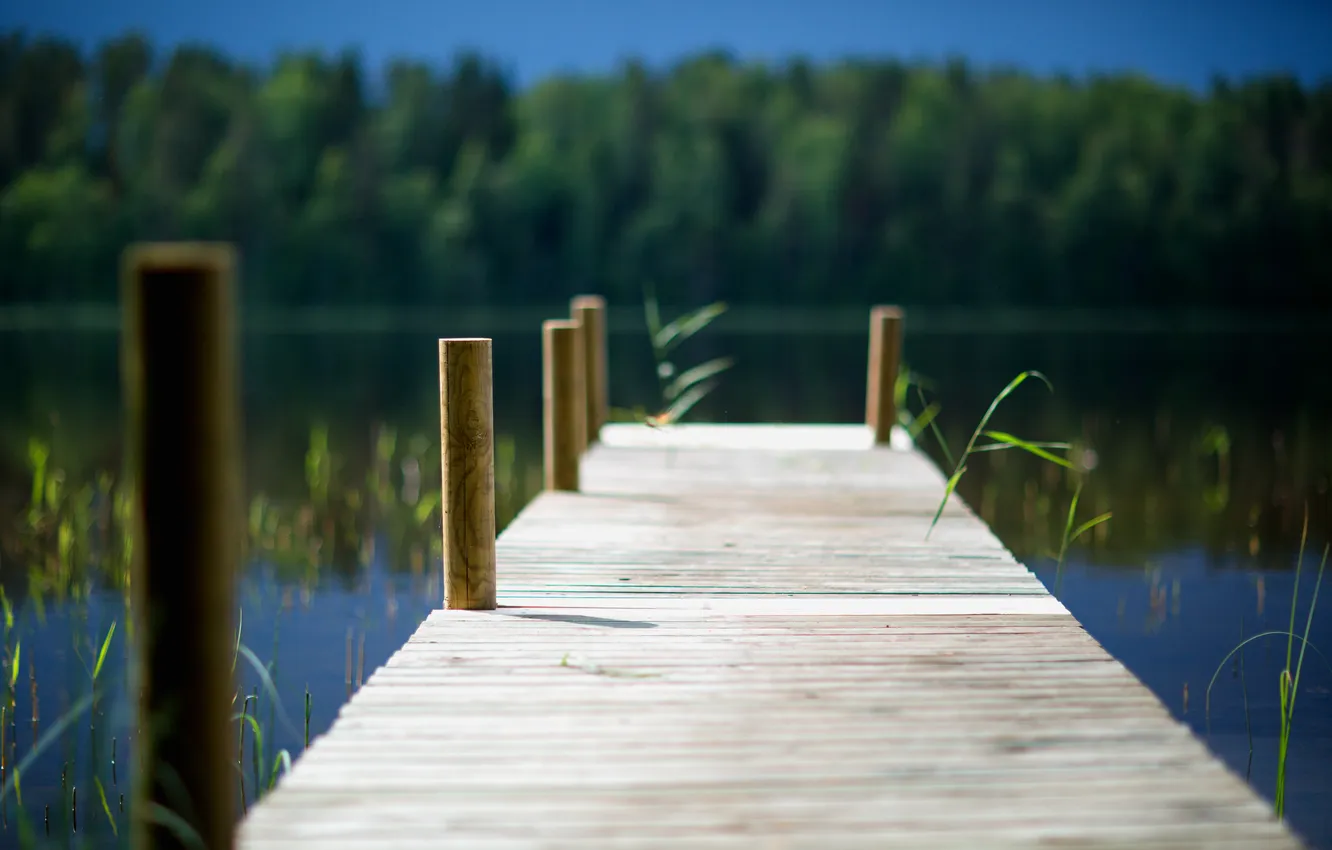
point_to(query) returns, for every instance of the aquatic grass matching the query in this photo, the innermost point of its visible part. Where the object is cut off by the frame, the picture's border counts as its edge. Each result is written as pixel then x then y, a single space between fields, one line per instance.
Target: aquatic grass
pixel 39 454
pixel 101 654
pixel 52 735
pixel 1290 685
pixel 187 835
pixel 1071 534
pixel 679 391
pixel 1004 440
pixel 78 537
pixel 1244 692
pixel 915 424
pixel 106 807
pixel 319 466
pixel 1216 441
pixel 269 688
pixel 1001 441
pixel 92 552
pixel 1287 682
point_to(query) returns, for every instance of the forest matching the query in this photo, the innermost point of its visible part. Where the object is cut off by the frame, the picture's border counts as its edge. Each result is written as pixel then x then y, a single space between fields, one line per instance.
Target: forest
pixel 849 183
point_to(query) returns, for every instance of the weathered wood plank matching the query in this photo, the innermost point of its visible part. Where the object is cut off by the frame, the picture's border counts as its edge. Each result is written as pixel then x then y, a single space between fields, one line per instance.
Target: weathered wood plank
pixel 740 637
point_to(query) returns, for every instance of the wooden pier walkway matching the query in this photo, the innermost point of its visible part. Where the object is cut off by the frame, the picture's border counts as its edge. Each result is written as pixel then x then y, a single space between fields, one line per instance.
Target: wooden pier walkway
pixel 739 637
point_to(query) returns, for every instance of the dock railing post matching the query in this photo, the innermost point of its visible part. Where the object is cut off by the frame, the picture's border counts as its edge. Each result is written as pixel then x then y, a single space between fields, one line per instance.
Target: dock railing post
pixel 563 402
pixel 467 472
pixel 178 369
pixel 885 357
pixel 590 312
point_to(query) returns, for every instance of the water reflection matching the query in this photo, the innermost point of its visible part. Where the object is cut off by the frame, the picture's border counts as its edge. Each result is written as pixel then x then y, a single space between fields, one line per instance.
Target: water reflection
pixel 1208 453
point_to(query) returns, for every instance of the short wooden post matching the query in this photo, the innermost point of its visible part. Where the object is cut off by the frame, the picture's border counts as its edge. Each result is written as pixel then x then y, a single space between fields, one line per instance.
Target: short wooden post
pixel 467 472
pixel 885 356
pixel 590 311
pixel 562 401
pixel 179 373
pixel 580 420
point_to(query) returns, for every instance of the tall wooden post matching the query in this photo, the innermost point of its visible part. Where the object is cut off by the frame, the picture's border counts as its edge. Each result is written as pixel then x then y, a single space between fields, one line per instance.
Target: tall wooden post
pixel 467 472
pixel 590 312
pixel 563 402
pixel 178 367
pixel 885 357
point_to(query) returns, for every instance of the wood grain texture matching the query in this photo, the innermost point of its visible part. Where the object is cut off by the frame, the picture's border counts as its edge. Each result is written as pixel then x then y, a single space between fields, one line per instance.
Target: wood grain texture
pixel 885 354
pixel 722 647
pixel 183 418
pixel 590 312
pixel 564 403
pixel 467 472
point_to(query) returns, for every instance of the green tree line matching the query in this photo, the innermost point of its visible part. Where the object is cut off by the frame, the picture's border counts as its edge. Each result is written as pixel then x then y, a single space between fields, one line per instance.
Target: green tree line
pixel 846 183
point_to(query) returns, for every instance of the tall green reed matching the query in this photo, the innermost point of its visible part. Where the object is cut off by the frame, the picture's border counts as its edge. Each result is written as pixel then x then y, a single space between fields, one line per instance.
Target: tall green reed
pixel 1288 680
pixel 678 391
pixel 78 538
pixel 1001 440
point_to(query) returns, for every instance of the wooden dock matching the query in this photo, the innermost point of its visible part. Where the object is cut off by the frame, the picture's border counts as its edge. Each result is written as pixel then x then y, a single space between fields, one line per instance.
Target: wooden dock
pixel 739 637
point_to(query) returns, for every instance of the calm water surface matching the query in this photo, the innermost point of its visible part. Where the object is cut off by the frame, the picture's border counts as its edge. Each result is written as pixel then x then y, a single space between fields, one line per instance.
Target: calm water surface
pixel 1209 450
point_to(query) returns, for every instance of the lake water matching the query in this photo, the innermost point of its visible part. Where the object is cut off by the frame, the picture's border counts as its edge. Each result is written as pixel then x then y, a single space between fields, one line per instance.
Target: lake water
pixel 1209 450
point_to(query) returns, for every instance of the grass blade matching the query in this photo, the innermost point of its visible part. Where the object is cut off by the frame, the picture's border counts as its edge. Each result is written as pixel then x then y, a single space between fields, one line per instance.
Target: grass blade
pixel 240 622
pixel 267 682
pixel 1279 796
pixel 1244 691
pixel 1089 525
pixel 948 491
pixel 1006 392
pixel 185 834
pixel 1295 592
pixel 906 379
pixel 934 428
pixel 1066 538
pixel 1000 447
pixel 14 665
pixel 258 740
pixel 426 507
pixel 1308 624
pixel 686 326
pixel 1005 438
pixel 1207 699
pixel 678 408
pixel 1072 515
pixel 282 760
pixel 106 807
pixel 697 374
pixel 257 746
pixel 980 426
pixel 53 733
pixel 651 312
pixel 924 420
pixel 101 656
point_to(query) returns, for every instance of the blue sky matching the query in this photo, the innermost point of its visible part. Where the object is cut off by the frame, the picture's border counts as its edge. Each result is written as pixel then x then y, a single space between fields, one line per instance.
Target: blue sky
pixel 1180 41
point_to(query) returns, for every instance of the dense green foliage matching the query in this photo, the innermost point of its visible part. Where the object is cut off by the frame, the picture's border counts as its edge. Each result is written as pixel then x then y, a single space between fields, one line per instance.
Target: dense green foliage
pixel 858 182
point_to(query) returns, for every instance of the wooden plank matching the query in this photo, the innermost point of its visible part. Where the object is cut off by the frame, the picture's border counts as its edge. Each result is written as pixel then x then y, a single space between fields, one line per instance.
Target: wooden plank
pixel 740 637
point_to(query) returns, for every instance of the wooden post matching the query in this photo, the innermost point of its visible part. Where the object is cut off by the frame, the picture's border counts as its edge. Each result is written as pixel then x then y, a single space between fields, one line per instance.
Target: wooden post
pixel 467 472
pixel 179 374
pixel 562 401
pixel 885 355
pixel 580 367
pixel 590 311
